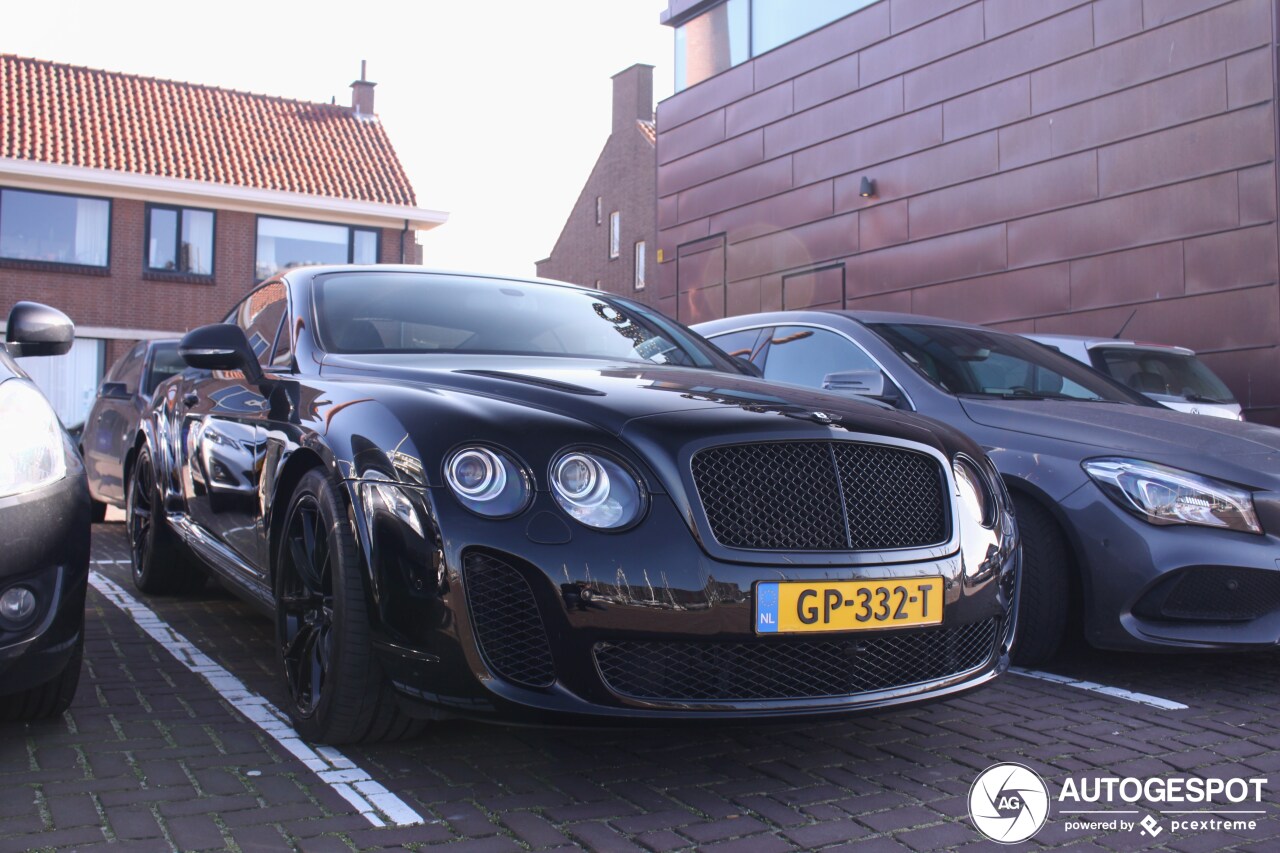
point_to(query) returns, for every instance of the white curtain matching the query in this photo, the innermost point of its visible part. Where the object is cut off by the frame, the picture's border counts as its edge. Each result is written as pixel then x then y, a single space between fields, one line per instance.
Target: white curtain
pixel 198 237
pixel 93 218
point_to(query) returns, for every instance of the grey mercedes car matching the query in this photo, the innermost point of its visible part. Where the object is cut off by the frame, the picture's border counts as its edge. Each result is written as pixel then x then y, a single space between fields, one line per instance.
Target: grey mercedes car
pixel 1154 529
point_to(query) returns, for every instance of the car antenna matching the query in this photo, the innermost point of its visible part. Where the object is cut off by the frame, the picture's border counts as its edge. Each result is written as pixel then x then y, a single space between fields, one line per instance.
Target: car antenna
pixel 1117 335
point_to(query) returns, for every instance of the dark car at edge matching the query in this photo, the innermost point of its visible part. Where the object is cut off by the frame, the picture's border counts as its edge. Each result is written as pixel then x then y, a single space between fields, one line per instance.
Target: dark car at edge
pixel 44 525
pixel 123 399
pixel 1154 529
pixel 505 498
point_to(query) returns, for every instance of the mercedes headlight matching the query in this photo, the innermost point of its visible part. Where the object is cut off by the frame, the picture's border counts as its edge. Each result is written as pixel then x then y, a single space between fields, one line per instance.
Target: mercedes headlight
pixel 1163 495
pixel 487 481
pixel 30 440
pixel 596 490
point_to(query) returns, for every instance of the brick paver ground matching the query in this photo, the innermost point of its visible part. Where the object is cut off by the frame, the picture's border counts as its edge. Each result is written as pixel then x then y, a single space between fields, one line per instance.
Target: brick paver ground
pixel 151 758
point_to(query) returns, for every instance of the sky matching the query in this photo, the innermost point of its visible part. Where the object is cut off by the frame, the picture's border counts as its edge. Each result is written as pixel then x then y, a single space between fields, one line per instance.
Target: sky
pixel 498 109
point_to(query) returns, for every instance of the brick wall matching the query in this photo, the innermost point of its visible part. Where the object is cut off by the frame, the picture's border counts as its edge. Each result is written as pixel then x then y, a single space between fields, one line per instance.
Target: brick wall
pixel 1050 165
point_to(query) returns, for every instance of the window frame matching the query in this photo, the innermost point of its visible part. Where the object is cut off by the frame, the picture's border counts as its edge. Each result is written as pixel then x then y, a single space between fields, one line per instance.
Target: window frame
pixel 177 240
pixel 615 235
pixel 66 265
pixel 351 241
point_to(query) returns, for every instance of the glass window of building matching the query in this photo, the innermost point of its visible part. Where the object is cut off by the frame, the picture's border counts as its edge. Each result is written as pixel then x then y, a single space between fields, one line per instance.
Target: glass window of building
pixel 60 229
pixel 640 265
pixel 287 243
pixel 713 42
pixel 179 239
pixel 615 234
pixel 776 22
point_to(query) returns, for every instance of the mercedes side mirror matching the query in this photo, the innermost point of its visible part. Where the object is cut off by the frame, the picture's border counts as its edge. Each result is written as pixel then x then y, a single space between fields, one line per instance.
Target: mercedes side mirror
pixel 220 346
pixel 861 383
pixel 35 329
pixel 115 391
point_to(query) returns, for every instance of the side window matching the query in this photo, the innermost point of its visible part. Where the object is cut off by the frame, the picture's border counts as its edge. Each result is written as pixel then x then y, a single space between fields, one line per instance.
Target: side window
pixel 282 352
pixel 260 315
pixel 748 345
pixel 165 362
pixel 129 369
pixel 804 356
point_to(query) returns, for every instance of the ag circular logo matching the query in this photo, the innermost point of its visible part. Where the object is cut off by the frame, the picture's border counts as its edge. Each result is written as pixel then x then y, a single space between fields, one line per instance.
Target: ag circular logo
pixel 1008 803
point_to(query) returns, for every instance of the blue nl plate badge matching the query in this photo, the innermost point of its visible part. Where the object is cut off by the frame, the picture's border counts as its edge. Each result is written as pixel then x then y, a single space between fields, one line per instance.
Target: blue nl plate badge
pixel 766 608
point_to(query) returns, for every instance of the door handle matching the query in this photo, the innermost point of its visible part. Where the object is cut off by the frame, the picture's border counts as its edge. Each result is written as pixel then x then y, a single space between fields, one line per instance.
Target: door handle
pixel 190 398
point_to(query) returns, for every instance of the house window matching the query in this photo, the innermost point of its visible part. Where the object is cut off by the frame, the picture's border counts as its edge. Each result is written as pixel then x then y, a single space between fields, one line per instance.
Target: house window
pixel 287 243
pixel 180 239
pixel 640 265
pixel 732 32
pixel 715 41
pixel 60 229
pixel 615 234
pixel 599 210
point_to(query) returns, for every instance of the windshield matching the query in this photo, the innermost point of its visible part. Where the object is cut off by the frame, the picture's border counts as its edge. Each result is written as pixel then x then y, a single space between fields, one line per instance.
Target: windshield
pixel 385 312
pixel 981 363
pixel 165 362
pixel 1161 372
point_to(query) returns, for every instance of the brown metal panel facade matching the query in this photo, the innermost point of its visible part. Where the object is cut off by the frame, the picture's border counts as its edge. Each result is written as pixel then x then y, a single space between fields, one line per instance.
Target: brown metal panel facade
pixel 1053 166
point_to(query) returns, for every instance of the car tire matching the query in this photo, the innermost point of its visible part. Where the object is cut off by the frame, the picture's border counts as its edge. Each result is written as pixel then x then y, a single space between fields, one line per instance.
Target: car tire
pixel 336 691
pixel 161 565
pixel 49 699
pixel 97 511
pixel 1045 597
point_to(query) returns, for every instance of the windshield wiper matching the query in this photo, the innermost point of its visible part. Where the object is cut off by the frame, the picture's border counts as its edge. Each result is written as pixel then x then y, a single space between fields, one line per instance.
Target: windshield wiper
pixel 1037 395
pixel 1200 398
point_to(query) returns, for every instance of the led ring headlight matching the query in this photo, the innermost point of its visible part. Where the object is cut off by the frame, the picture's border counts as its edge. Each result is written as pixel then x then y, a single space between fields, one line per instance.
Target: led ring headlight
pixel 477 473
pixel 596 491
pixel 487 482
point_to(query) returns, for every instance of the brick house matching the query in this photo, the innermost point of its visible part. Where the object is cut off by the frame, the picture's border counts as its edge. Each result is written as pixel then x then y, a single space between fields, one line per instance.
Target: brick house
pixel 608 240
pixel 1056 165
pixel 143 207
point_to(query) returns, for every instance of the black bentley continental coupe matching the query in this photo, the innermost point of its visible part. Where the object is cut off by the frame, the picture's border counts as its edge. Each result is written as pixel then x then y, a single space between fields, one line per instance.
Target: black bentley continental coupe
pixel 461 494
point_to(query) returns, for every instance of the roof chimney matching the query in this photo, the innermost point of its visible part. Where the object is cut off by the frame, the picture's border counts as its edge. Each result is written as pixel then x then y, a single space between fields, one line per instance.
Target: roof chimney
pixel 632 97
pixel 362 95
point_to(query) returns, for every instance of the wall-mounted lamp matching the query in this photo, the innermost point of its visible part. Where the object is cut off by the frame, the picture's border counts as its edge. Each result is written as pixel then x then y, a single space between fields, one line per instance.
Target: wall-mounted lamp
pixel 868 189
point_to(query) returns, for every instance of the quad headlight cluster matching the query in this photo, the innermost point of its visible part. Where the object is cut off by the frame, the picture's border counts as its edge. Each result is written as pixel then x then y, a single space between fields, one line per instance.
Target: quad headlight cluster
pixel 589 485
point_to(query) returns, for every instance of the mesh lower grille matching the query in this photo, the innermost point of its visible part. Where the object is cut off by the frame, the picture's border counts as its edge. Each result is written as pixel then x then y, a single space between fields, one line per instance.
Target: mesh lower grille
pixel 507 623
pixel 777 668
pixel 1221 593
pixel 821 496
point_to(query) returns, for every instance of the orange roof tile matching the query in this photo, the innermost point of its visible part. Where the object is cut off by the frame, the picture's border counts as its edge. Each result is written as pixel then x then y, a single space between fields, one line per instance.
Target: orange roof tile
pixel 73 116
pixel 649 130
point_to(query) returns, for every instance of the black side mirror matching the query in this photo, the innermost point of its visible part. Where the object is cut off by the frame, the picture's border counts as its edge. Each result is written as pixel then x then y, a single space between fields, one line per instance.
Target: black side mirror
pixel 36 329
pixel 115 391
pixel 220 346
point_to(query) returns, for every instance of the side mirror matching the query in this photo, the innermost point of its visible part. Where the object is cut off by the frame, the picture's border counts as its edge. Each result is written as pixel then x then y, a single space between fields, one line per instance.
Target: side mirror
pixel 861 383
pixel 220 346
pixel 115 391
pixel 36 329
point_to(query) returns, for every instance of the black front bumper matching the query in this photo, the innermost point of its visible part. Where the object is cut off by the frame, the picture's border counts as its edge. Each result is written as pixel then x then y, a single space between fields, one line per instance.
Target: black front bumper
pixel 645 625
pixel 46 539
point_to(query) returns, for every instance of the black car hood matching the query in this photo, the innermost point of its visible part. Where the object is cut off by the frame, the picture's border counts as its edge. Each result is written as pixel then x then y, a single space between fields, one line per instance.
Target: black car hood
pixel 609 395
pixel 1198 442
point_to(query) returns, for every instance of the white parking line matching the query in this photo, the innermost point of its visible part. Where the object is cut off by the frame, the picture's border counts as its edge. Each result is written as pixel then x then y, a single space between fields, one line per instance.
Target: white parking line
pixel 1093 686
pixel 378 805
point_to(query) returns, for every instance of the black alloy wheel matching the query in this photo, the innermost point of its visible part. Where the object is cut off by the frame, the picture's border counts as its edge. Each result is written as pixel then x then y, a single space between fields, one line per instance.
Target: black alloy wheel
pixel 161 564
pixel 337 693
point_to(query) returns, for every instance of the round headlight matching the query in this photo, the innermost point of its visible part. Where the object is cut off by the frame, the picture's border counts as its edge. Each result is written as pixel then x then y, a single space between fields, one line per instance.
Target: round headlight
pixel 975 491
pixel 17 607
pixel 487 481
pixel 596 490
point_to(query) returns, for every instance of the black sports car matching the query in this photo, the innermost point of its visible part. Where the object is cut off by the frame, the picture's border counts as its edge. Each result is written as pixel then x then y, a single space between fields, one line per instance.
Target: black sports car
pixel 44 525
pixel 483 496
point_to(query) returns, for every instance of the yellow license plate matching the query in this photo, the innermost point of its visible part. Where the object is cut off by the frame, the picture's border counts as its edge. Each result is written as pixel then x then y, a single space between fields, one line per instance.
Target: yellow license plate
pixel 870 605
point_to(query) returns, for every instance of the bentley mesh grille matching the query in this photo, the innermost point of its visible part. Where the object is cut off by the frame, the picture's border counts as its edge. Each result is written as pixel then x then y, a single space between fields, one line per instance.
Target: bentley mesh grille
pixel 777 668
pixel 821 496
pixel 507 623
